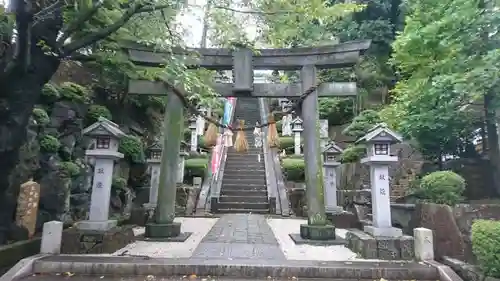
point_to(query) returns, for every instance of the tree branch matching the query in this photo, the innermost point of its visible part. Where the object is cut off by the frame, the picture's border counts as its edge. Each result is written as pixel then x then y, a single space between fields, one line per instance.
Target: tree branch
pixel 105 32
pixel 76 24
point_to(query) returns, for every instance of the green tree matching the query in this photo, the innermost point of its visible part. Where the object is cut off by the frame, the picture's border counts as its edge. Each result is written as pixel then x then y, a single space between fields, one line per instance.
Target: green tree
pixel 447 61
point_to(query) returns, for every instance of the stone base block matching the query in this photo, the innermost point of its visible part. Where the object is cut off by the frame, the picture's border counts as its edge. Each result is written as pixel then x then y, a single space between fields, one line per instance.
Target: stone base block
pixel 97 225
pixel 384 248
pixel 165 232
pixel 78 241
pixel 383 231
pixel 343 219
pixel 330 242
pixel 317 232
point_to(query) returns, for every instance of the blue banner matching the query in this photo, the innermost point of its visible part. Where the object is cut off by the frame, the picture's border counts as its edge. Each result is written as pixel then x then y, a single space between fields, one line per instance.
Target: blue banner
pixel 228 109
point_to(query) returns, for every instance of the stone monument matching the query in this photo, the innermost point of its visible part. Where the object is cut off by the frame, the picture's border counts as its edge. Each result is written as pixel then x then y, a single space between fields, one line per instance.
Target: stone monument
pixel 27 206
pixel 106 136
pixel 194 135
pixel 378 142
pixel 297 131
pixel 182 162
pixel 380 240
pixel 154 161
pixel 323 133
pixel 200 122
pixel 330 164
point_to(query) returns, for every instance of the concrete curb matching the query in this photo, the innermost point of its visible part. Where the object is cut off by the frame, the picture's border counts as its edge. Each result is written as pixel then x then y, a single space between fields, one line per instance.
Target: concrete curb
pixel 22 269
pixel 136 265
pixel 445 272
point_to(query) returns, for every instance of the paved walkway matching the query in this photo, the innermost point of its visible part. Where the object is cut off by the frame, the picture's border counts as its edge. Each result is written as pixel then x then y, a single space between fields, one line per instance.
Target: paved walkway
pixel 240 236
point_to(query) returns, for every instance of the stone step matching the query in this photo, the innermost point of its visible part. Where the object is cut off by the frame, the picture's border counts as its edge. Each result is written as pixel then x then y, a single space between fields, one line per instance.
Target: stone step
pixel 245 176
pixel 254 199
pixel 244 211
pixel 231 170
pixel 256 181
pixel 257 268
pixel 234 185
pixel 243 192
pixel 241 162
pixel 243 205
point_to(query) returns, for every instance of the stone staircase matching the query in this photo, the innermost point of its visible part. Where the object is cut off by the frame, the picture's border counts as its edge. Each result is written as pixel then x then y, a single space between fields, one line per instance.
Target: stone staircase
pixel 244 187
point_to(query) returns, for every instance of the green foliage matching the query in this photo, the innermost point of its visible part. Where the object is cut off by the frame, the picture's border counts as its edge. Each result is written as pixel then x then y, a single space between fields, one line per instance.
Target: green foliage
pixel 293 169
pixel 70 169
pixel 132 148
pixel 486 246
pixel 73 92
pixel 40 116
pixel 196 167
pixel 287 144
pixel 95 111
pixel 446 61
pixel 50 93
pixel 442 187
pixel 352 154
pixel 338 111
pixel 49 144
pixel 118 183
pixel 362 123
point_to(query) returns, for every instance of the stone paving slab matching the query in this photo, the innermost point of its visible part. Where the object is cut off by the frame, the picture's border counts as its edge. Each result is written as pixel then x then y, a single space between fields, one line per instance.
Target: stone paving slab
pixel 240 236
pixel 154 278
pixel 255 268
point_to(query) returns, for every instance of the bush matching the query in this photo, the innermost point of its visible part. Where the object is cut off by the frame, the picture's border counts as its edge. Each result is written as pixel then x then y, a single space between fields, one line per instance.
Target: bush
pixel 352 154
pixel 119 183
pixel 196 167
pixel 293 169
pixel 486 246
pixel 50 93
pixel 442 187
pixel 41 117
pixel 287 144
pixel 70 169
pixel 49 144
pixel 96 111
pixel 132 148
pixel 74 92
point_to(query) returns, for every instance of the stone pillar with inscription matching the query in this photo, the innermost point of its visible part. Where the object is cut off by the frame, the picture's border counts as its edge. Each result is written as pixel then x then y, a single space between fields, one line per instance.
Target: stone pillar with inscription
pixel 106 136
pixel 378 141
pixel 27 206
pixel 323 133
pixel 194 135
pixel 154 162
pixel 330 164
pixel 297 132
pixel 182 161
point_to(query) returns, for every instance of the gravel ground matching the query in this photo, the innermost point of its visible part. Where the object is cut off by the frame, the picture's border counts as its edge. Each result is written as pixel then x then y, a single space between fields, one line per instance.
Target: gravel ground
pixel 283 227
pixel 198 226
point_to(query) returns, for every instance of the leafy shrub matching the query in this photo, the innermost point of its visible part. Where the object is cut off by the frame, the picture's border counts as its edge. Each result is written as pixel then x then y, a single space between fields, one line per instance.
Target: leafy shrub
pixel 196 155
pixel 118 183
pixel 74 92
pixel 352 154
pixel 442 187
pixel 279 124
pixel 41 117
pixel 288 144
pixel 293 169
pixel 96 111
pixel 49 144
pixel 196 167
pixel 337 111
pixel 362 123
pixel 70 169
pixel 50 93
pixel 132 148
pixel 486 246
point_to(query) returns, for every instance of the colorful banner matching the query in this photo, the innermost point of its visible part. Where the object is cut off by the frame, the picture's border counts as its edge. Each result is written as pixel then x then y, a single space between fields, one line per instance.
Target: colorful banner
pixel 217 150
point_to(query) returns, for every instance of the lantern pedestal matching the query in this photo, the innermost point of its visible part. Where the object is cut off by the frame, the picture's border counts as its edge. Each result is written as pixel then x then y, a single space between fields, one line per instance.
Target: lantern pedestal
pixel 165 232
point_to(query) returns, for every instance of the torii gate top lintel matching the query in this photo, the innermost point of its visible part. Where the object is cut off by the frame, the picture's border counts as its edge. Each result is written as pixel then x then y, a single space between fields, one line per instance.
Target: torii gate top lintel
pixel 334 56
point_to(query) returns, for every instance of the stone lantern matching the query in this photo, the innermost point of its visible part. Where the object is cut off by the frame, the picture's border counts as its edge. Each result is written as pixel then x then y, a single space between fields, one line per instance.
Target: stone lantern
pixel 285 107
pixel 378 142
pixel 330 164
pixel 194 135
pixel 297 130
pixel 182 160
pixel 200 122
pixel 106 136
pixel 154 161
pixel 283 102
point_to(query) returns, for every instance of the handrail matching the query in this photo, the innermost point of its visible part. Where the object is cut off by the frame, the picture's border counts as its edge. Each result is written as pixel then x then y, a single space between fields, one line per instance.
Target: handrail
pixel 216 182
pixel 269 167
pixel 276 178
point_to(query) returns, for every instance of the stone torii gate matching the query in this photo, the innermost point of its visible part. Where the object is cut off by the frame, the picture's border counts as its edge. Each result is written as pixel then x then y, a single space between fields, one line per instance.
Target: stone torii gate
pixel 243 62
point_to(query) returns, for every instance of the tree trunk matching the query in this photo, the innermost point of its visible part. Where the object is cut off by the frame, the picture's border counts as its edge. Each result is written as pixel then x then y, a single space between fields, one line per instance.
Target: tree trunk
pixel 21 89
pixel 493 141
